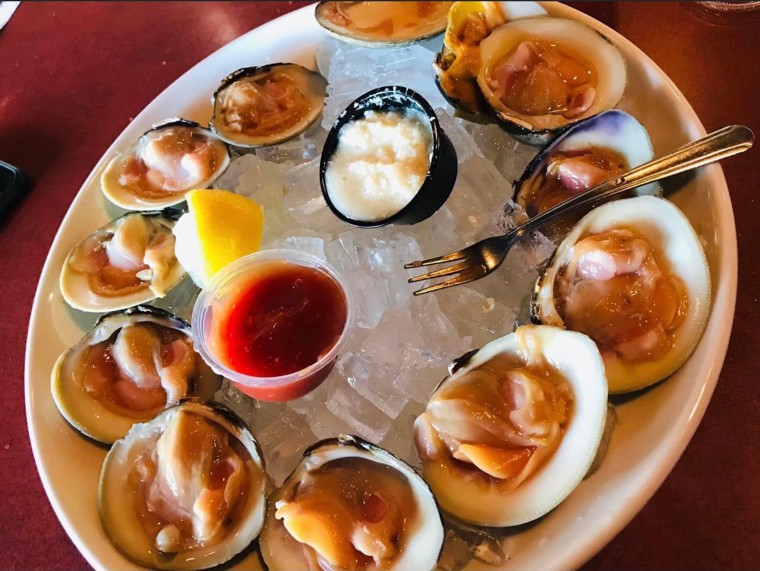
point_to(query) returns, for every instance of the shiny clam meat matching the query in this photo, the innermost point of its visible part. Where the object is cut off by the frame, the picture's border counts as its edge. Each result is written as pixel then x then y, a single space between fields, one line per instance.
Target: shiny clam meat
pixel 457 64
pixel 540 75
pixel 129 367
pixel 185 490
pixel 167 161
pixel 587 154
pixel 631 275
pixel 129 261
pixel 515 427
pixel 382 24
pixel 351 505
pixel 267 105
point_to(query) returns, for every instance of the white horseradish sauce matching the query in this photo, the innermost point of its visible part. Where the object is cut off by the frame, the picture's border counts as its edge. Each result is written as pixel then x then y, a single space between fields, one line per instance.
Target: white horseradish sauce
pixel 379 164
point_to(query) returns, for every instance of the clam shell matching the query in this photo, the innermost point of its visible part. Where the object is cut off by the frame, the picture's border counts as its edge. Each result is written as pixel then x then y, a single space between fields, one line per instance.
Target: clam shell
pixel 124 196
pixel 75 287
pixel 366 23
pixel 426 539
pixel 116 493
pixel 456 65
pixel 601 53
pixel 88 414
pixel 614 129
pixel 311 85
pixel 674 241
pixel 577 359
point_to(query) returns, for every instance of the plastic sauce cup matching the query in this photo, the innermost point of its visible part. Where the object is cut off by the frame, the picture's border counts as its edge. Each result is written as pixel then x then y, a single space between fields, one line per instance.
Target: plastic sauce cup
pixel 222 304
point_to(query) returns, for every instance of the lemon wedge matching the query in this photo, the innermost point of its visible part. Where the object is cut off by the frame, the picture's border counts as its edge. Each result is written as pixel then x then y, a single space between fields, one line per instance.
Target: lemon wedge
pixel 219 227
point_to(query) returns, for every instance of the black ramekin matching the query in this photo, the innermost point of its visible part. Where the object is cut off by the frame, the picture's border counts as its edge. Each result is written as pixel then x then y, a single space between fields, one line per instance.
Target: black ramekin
pixel 442 171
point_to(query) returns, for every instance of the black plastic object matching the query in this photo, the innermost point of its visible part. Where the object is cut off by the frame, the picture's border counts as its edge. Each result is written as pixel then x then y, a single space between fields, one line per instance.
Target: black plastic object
pixel 13 184
pixel 442 172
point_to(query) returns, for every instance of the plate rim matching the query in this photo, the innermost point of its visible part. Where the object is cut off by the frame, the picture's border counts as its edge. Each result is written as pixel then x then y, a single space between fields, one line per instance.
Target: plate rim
pixel 726 250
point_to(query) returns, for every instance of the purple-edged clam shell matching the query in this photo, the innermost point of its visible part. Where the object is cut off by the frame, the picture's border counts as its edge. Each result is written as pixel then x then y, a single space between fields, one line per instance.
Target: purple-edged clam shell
pixel 615 129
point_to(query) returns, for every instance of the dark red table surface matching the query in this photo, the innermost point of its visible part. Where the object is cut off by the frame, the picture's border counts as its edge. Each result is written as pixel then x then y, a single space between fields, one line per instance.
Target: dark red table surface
pixel 73 75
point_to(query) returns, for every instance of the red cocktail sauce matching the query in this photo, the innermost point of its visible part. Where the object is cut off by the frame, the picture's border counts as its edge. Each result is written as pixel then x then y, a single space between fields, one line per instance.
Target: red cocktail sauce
pixel 280 320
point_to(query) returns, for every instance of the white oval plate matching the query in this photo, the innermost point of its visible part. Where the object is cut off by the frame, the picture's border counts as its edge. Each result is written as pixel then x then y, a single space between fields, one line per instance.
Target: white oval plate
pixel 653 430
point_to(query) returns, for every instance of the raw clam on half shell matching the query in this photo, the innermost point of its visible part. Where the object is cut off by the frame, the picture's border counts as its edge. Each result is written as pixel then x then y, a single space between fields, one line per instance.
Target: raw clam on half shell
pixel 541 75
pixel 351 505
pixel 267 105
pixel 515 427
pixel 457 64
pixel 631 275
pixel 129 367
pixel 128 261
pixel 185 490
pixel 382 24
pixel 168 160
pixel 587 154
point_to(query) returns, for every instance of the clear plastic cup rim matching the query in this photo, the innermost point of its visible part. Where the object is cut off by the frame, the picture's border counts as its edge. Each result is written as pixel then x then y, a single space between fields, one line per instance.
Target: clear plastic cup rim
pixel 241 267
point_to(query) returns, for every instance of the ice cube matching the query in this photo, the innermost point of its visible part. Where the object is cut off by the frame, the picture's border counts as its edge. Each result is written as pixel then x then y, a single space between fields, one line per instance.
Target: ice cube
pixel 242 405
pixel 310 244
pixel 369 297
pixel 436 235
pixel 304 201
pixel 421 381
pixel 509 156
pixel 478 200
pixel 180 300
pixel 400 440
pixel 277 224
pixel 261 180
pixel 325 53
pixel 377 383
pixel 442 342
pixel 354 70
pixel 459 136
pixel 340 252
pixel 363 417
pixel 378 370
pixel 306 147
pixel 283 438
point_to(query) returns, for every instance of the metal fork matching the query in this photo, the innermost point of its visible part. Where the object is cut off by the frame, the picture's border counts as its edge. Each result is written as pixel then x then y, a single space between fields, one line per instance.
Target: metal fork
pixel 484 257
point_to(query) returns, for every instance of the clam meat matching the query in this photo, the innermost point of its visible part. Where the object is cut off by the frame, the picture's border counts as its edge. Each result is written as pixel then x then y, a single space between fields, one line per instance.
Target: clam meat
pixel 129 367
pixel 382 24
pixel 167 161
pixel 185 490
pixel 351 505
pixel 587 154
pixel 515 427
pixel 129 261
pixel 457 64
pixel 540 75
pixel 631 275
pixel 267 105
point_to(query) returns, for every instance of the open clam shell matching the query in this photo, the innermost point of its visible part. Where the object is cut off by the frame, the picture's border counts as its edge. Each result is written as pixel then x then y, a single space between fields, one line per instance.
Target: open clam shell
pixel 168 160
pixel 124 263
pixel 370 479
pixel 639 346
pixel 585 56
pixel 104 383
pixel 515 427
pixel 456 65
pixel 185 490
pixel 382 24
pixel 585 155
pixel 267 105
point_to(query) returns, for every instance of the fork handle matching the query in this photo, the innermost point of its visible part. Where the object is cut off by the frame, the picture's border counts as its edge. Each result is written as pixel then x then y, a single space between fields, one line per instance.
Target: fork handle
pixel 710 148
